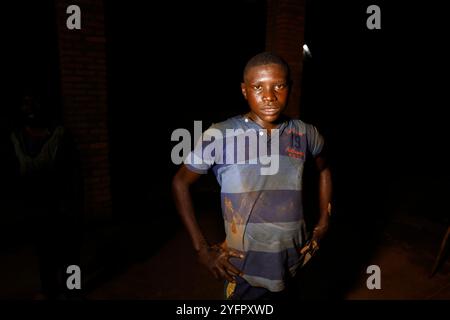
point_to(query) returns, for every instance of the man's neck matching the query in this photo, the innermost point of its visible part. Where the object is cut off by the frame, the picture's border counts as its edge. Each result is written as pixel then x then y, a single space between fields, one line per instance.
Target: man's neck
pixel 266 125
pixel 36 132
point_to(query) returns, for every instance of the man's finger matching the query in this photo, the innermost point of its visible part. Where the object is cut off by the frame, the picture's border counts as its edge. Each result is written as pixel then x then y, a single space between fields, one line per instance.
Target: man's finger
pixel 215 274
pixel 225 275
pixel 305 249
pixel 236 254
pixel 232 269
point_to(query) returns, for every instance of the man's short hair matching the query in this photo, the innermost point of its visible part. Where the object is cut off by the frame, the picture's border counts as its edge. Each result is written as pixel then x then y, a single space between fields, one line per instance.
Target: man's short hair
pixel 265 58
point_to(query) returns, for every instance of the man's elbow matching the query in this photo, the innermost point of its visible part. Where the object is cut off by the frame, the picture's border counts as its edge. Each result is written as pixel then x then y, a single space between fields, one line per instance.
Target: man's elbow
pixel 325 173
pixel 176 183
pixel 179 182
pixel 325 170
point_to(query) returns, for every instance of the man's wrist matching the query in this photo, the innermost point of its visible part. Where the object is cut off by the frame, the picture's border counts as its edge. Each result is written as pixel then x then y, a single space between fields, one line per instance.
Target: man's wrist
pixel 322 223
pixel 202 246
pixel 320 227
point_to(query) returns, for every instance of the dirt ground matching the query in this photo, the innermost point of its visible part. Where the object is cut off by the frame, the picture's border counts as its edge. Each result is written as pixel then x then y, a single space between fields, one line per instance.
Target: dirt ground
pixel 405 255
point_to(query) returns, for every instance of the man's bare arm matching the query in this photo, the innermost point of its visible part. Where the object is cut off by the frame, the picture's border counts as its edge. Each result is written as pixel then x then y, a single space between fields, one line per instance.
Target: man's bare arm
pixel 215 258
pixel 325 195
pixel 181 183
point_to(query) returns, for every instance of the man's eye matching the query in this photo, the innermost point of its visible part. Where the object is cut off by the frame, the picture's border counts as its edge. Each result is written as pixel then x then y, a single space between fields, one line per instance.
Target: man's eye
pixel 257 88
pixel 280 86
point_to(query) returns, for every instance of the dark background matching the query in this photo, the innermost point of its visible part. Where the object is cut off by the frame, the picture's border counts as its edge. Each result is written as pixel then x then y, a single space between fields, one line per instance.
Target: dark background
pixel 375 94
pixel 169 68
pixel 378 96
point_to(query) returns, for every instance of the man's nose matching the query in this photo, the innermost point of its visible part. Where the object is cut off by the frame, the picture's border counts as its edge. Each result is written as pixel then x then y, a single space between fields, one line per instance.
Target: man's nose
pixel 268 95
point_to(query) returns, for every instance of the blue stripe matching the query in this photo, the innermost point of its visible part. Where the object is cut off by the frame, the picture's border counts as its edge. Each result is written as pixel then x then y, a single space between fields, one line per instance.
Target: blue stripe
pixel 272 266
pixel 291 154
pixel 247 177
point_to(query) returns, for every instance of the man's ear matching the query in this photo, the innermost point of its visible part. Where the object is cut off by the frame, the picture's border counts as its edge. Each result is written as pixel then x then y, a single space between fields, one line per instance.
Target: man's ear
pixel 244 90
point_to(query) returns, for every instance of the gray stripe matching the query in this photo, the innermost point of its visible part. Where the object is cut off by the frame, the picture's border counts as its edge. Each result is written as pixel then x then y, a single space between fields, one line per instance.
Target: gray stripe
pixel 246 177
pixel 272 285
pixel 266 237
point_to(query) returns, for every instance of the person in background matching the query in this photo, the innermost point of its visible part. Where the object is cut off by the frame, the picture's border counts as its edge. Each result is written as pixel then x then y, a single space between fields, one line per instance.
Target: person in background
pixel 46 188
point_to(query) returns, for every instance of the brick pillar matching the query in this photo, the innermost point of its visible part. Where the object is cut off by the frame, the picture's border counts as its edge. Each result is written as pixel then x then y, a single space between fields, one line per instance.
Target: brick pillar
pixel 285 36
pixel 82 55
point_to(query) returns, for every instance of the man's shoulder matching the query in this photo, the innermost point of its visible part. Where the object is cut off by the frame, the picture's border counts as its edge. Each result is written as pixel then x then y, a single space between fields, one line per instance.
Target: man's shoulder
pixel 230 123
pixel 299 125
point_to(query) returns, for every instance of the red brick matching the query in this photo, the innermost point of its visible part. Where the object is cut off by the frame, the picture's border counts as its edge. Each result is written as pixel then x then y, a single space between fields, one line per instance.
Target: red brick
pixel 285 35
pixel 84 92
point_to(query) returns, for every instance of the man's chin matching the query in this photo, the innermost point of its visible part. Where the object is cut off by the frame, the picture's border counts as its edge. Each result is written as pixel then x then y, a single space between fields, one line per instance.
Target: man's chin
pixel 271 118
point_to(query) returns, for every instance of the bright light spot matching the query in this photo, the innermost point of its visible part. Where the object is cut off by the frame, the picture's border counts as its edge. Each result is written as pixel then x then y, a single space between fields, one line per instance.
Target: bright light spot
pixel 306 50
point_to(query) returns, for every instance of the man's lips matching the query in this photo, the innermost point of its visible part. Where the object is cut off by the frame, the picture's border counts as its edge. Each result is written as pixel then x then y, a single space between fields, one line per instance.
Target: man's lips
pixel 270 110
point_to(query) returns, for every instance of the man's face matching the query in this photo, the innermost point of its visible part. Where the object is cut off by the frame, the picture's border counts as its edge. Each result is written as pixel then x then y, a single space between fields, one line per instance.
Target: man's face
pixel 266 89
pixel 31 111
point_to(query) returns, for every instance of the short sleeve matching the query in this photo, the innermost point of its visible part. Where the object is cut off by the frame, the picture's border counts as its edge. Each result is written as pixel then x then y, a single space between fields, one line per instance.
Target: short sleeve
pixel 205 152
pixel 314 139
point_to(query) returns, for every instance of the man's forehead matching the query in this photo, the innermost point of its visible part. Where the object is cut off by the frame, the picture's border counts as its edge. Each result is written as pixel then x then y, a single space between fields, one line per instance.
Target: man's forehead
pixel 266 71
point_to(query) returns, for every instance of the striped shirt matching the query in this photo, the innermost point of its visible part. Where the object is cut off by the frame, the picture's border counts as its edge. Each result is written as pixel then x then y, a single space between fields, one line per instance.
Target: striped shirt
pixel 263 214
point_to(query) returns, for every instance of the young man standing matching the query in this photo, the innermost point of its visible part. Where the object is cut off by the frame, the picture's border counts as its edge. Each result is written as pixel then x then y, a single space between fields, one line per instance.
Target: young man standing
pixel 266 237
